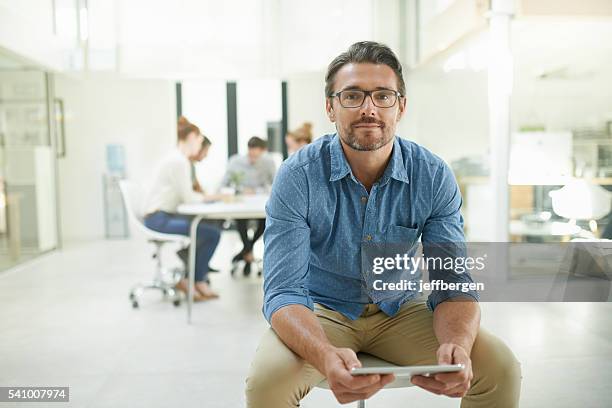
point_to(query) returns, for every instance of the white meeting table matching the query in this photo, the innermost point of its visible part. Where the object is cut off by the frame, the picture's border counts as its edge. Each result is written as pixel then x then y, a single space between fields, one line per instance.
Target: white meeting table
pixel 244 207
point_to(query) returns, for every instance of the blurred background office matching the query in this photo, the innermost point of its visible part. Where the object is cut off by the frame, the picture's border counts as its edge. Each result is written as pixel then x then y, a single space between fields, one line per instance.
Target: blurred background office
pixel 515 95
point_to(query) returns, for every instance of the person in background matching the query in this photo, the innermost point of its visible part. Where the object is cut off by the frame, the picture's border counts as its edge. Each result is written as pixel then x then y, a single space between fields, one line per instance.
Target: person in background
pixel 201 155
pixel 250 174
pixel 172 186
pixel 299 138
pixel 183 253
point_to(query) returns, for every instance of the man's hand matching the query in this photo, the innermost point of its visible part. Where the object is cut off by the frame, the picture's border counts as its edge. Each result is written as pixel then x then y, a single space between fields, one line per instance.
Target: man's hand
pixel 450 384
pixel 337 364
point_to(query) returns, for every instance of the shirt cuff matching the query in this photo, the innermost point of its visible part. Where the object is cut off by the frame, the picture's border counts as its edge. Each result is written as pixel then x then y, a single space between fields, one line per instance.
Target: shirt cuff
pixel 284 299
pixel 439 296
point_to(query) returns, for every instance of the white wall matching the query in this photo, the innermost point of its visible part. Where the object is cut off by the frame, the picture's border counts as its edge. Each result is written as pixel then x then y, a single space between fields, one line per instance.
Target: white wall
pixel 258 102
pixel 562 74
pixel 306 102
pixel 447 113
pixel 205 104
pixel 101 110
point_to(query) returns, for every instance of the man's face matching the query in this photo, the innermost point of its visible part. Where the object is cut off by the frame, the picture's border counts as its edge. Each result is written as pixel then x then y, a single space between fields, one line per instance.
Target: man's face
pixel 255 153
pixel 367 127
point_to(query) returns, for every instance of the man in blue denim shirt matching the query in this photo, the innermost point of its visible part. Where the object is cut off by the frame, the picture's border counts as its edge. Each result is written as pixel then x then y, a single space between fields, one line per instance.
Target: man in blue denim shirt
pixel 365 186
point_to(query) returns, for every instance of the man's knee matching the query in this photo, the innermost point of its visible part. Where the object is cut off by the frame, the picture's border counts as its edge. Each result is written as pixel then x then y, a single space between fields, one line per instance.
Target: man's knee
pixel 275 375
pixel 269 389
pixel 496 369
pixel 259 388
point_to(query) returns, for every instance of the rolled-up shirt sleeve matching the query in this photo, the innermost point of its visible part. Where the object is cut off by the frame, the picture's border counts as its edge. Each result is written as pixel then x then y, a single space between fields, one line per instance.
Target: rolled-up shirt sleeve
pixel 443 236
pixel 286 242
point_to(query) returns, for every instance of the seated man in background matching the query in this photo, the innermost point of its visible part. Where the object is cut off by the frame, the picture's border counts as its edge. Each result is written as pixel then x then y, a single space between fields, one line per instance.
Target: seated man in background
pixel 250 174
pixel 330 200
pixel 171 187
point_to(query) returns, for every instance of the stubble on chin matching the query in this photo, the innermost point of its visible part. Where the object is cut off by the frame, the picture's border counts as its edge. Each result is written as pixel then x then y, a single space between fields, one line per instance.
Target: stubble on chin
pixel 353 141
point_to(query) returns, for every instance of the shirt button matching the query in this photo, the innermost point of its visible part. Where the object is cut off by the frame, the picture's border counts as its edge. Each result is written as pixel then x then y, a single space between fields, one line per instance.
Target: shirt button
pixel 368 237
pixel 364 199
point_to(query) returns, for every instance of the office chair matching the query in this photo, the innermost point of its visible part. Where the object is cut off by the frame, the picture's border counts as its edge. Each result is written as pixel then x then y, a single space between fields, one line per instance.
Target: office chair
pixel 368 360
pixel 163 279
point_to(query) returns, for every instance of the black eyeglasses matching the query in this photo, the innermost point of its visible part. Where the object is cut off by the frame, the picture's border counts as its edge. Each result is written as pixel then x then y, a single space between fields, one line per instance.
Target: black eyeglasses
pixel 381 98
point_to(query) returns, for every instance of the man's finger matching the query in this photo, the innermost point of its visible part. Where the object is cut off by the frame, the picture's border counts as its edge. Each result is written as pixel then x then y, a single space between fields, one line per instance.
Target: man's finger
pixel 430 389
pixel 349 358
pixel 452 378
pixel 356 382
pixel 458 391
pixel 368 389
pixel 445 354
pixel 344 377
pixel 429 384
pixel 383 380
pixel 387 379
pixel 459 357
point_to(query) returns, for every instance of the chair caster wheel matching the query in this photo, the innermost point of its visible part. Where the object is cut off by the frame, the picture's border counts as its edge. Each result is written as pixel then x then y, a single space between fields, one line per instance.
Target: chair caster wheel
pixel 134 305
pixel 176 303
pixel 132 297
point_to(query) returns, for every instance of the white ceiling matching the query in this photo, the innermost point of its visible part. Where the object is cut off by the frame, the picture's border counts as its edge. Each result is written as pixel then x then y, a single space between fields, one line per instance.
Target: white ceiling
pixel 232 38
pixel 276 38
pixel 8 61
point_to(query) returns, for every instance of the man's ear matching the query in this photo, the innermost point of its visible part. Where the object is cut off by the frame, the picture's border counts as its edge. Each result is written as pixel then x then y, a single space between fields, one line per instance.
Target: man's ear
pixel 330 110
pixel 402 108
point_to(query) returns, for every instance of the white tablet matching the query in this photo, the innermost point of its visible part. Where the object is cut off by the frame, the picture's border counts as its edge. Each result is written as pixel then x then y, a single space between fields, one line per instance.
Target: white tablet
pixel 409 371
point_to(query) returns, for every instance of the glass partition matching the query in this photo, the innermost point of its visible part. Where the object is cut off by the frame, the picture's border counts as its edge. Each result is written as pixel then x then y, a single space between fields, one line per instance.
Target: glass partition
pixel 28 212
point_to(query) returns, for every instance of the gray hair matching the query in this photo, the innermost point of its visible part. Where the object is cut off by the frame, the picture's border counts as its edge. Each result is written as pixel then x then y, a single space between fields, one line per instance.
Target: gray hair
pixel 365 52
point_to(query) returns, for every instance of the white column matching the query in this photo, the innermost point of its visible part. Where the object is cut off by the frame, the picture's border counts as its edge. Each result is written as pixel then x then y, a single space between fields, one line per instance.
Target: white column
pixel 500 89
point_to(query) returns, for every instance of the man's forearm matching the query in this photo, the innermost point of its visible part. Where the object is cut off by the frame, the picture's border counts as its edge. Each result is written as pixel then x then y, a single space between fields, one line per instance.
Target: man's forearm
pixel 299 328
pixel 457 321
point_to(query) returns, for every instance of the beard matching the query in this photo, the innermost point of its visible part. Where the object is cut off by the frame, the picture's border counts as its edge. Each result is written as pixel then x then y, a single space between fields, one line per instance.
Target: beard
pixel 371 138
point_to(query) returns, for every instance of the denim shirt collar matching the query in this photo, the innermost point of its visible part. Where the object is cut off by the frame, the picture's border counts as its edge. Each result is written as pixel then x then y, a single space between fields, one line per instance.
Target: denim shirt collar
pixel 340 167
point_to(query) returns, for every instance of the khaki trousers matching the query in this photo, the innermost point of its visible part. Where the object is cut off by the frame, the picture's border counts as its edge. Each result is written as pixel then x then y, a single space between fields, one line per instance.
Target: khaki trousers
pixel 279 378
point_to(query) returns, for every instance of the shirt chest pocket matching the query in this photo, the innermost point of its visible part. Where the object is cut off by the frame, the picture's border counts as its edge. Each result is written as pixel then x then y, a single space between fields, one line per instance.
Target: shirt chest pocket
pixel 401 236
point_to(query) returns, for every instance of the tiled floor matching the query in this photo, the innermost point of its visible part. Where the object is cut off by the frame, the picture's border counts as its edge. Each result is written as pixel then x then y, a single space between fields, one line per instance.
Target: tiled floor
pixel 65 320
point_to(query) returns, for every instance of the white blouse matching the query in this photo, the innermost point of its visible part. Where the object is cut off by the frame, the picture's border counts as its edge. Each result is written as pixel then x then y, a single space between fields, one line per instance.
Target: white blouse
pixel 171 185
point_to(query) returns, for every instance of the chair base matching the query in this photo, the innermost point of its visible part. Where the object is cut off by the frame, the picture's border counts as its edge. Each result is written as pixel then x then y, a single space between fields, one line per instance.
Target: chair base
pixel 167 290
pixel 163 280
